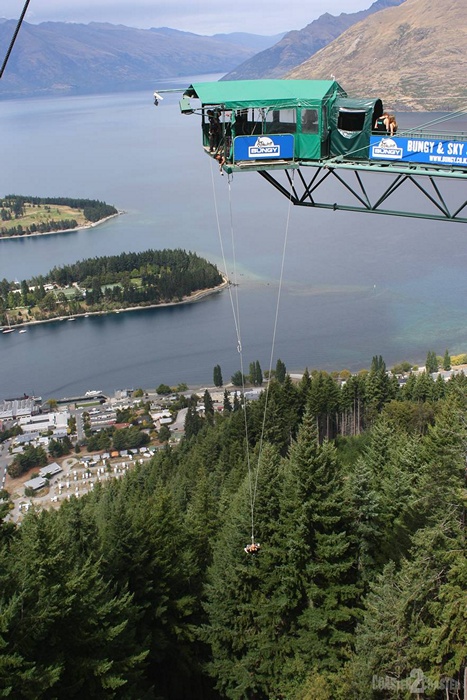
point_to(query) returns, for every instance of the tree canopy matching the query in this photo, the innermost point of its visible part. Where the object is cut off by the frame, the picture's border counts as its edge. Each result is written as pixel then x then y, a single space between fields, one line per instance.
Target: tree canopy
pixel 109 282
pixel 142 589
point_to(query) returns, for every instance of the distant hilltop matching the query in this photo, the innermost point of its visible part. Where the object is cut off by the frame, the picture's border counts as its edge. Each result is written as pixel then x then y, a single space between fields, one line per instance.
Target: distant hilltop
pixel 298 46
pixel 411 53
pixel 61 58
pixel 412 56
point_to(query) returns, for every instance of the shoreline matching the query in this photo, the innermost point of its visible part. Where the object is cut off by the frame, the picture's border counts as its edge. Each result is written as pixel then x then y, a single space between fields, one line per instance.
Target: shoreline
pixel 196 296
pixel 64 230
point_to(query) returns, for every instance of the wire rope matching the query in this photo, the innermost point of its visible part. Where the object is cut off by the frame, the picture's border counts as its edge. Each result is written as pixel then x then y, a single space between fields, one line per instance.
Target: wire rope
pixel 226 275
pixel 235 306
pixel 242 367
pixel 12 42
pixel 273 343
pixel 253 473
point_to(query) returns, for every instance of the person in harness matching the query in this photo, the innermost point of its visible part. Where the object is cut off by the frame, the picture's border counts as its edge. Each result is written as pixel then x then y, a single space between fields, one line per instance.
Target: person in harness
pixel 252 548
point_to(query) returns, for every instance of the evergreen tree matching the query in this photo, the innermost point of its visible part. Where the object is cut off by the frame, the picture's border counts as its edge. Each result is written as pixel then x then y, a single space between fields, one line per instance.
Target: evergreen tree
pixel 414 620
pixel 323 401
pixel 366 515
pixel 423 389
pixel 258 374
pixel 66 632
pixel 217 376
pixel 322 548
pixel 380 388
pixel 246 606
pixel 382 648
pixel 408 389
pixel 443 450
pixel 352 405
pixel 377 364
pixel 394 464
pixel 208 406
pixel 227 404
pixel 435 579
pixel 275 415
pixel 431 364
pixel 281 371
pixel 439 389
pixel 446 361
pixel 146 553
pixel 164 434
pixel 304 385
pixel 237 378
pixel 193 423
pixel 202 521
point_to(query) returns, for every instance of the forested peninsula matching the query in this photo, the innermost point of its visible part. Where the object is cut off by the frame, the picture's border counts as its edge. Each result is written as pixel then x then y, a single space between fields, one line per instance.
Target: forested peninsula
pixel 22 215
pixel 109 283
pixel 142 589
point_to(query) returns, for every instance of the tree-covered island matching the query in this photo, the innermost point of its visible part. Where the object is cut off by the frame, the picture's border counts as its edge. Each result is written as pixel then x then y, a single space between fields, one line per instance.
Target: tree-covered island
pixel 109 283
pixel 22 215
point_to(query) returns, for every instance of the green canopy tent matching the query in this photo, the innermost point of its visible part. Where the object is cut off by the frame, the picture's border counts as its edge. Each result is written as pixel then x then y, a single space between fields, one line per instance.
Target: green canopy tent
pixel 352 121
pixel 247 108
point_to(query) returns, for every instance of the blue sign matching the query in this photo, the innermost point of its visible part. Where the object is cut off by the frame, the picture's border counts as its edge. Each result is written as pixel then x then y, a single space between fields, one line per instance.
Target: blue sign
pixel 418 150
pixel 270 147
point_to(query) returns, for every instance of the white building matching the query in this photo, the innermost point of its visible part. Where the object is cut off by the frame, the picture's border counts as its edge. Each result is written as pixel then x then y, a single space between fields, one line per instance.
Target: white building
pixel 35 484
pixel 56 422
pixel 17 408
pixel 50 470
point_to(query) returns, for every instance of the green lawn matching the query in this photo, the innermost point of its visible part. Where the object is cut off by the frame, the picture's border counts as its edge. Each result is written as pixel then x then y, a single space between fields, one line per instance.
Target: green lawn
pixel 42 213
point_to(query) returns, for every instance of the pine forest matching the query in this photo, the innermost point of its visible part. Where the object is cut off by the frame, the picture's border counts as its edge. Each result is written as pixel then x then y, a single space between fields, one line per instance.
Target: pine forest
pixel 355 493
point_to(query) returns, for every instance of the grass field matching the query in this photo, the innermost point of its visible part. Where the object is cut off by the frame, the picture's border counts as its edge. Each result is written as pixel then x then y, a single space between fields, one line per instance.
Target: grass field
pixel 42 213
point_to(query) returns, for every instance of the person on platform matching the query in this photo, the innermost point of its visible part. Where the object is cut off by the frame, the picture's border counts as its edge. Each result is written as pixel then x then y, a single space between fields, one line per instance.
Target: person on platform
pixel 214 129
pixel 386 123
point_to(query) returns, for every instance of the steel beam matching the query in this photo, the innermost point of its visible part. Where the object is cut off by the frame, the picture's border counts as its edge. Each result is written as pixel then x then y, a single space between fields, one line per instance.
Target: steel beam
pixel 358 190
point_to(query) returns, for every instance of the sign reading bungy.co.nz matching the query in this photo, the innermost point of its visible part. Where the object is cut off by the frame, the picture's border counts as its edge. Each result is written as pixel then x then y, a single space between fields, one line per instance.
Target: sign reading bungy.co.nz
pixel 418 150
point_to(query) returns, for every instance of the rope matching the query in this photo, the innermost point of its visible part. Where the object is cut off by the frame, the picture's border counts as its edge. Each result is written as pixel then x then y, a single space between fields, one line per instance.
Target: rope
pixel 253 474
pixel 12 42
pixel 236 315
pixel 242 371
pixel 438 120
pixel 273 343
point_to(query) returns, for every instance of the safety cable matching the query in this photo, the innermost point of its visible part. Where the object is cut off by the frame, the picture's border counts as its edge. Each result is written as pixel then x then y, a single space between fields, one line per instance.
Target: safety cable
pixel 242 368
pixel 12 42
pixel 237 328
pixel 253 473
pixel 273 343
pixel 236 316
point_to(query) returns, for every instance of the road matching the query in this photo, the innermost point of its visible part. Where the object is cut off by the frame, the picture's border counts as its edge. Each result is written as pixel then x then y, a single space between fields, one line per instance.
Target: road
pixel 5 459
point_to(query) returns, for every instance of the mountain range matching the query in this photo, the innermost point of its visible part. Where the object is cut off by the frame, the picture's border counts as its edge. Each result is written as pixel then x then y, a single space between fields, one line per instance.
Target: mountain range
pixel 297 46
pixel 412 56
pixel 54 58
pixel 411 53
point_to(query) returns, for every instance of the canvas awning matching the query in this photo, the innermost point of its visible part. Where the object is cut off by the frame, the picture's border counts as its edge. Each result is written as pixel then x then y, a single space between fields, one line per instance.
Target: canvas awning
pixel 274 94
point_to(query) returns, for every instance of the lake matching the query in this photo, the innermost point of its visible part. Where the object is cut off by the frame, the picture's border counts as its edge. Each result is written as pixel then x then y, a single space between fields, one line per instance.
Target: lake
pixel 353 285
